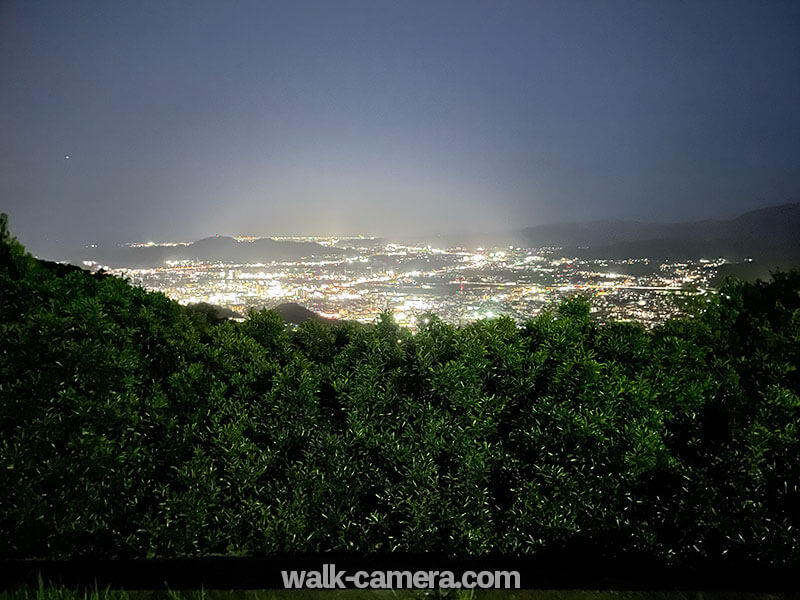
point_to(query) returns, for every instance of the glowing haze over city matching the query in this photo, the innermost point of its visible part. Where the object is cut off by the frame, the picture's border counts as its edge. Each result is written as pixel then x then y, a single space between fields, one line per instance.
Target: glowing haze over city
pixel 417 139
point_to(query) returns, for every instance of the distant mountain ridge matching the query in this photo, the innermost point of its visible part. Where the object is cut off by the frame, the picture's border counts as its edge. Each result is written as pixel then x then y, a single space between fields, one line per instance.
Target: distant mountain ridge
pixel 211 249
pixel 767 234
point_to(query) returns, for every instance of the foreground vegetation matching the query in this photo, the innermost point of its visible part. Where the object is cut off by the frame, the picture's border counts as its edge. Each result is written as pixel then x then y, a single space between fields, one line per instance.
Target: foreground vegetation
pixel 62 593
pixel 132 426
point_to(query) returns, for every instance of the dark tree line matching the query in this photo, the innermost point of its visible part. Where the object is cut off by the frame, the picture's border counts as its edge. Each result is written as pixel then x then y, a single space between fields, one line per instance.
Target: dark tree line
pixel 132 426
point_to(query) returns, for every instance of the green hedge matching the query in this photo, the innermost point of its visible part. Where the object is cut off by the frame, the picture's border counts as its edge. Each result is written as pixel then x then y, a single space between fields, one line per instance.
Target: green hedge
pixel 133 427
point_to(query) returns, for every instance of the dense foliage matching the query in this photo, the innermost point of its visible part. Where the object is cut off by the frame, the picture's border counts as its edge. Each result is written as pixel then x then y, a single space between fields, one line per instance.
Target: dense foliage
pixel 133 427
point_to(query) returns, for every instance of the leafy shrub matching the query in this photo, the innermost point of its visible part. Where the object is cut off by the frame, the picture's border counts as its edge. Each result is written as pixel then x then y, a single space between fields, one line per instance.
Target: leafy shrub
pixel 132 426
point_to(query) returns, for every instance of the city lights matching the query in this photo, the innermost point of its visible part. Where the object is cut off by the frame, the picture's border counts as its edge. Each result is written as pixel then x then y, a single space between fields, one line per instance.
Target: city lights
pixel 457 285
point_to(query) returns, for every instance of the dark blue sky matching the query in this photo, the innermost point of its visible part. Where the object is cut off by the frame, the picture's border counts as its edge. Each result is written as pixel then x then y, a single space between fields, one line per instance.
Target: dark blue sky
pixel 183 119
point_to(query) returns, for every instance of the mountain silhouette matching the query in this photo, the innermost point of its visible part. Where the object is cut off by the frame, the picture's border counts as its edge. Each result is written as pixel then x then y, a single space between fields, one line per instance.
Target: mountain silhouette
pixel 769 235
pixel 211 249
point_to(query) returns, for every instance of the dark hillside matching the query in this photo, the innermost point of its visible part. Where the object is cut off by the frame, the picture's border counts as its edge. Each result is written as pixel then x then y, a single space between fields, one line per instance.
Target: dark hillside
pixel 296 314
pixel 769 235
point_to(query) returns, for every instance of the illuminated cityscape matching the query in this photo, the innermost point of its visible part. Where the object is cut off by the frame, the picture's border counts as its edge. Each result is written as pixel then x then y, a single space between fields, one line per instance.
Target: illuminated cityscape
pixel 457 284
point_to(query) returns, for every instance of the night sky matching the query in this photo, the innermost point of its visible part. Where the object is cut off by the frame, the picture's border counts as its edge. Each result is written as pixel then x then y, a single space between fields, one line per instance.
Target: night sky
pixel 184 119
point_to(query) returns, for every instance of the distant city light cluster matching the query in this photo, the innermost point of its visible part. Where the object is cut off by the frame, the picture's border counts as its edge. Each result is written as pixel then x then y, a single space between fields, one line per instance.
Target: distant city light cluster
pixel 411 281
